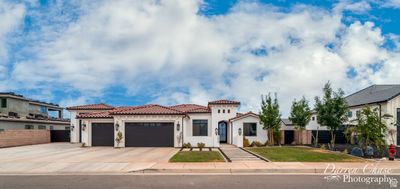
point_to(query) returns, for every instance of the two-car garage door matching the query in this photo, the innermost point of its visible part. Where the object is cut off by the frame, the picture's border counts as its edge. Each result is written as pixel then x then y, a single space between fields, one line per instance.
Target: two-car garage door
pixel 149 134
pixel 136 134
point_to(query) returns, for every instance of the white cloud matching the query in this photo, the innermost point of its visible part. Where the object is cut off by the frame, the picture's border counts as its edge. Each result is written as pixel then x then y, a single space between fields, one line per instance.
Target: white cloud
pixel 10 18
pixel 392 3
pixel 167 50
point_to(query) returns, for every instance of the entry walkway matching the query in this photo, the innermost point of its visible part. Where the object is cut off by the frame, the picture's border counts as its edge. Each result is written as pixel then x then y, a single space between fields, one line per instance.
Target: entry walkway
pixel 236 154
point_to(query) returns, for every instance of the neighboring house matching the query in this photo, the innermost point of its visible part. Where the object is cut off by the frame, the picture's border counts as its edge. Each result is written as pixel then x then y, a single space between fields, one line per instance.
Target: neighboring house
pixel 158 126
pixel 383 98
pixel 18 112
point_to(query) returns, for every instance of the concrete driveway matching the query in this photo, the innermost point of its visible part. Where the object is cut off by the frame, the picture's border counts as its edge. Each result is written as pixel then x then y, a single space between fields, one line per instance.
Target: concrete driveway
pixel 71 158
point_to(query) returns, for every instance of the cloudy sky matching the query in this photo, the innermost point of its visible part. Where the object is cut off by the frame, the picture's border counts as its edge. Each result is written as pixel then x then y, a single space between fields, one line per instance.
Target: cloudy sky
pixel 131 52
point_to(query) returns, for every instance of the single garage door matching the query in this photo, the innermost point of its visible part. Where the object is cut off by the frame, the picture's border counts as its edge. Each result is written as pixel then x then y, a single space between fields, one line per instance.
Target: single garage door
pixel 102 134
pixel 60 135
pixel 149 134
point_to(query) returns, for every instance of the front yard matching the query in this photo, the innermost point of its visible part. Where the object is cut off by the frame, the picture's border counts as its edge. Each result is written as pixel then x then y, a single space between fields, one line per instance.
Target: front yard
pixel 302 154
pixel 197 156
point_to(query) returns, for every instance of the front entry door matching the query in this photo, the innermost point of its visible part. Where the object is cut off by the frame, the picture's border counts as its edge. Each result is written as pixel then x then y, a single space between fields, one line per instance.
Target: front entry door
pixel 222 131
pixel 398 126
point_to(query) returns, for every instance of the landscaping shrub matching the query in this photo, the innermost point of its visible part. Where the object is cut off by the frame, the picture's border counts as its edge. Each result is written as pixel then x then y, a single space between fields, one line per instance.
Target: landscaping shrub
pixel 246 142
pixel 201 146
pixel 323 147
pixel 357 151
pixel 370 151
pixel 186 145
pixel 277 136
pixel 345 151
pixel 256 144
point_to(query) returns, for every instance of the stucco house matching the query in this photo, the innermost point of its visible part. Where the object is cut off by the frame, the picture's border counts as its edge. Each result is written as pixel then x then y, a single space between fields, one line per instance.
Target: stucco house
pixel 156 125
pixel 383 98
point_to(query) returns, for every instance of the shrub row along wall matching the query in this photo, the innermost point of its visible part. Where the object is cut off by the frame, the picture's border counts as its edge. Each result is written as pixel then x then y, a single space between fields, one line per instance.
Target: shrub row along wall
pixel 21 137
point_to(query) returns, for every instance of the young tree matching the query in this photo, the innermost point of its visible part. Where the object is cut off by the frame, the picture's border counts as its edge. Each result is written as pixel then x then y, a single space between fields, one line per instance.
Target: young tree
pixel 331 110
pixel 370 127
pixel 300 115
pixel 270 117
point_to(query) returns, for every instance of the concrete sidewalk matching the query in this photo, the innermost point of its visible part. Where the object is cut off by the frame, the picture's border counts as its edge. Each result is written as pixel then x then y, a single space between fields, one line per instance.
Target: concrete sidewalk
pixel 274 167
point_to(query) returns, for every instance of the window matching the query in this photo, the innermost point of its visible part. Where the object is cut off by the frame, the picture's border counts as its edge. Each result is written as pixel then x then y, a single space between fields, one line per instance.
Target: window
pixel 41 127
pixel 350 114
pixel 29 127
pixel 250 129
pixel 358 112
pixel 229 111
pixel 51 128
pixel 219 111
pixel 3 103
pixel 223 111
pixel 43 109
pixel 67 128
pixel 1 130
pixel 200 127
pixel 313 118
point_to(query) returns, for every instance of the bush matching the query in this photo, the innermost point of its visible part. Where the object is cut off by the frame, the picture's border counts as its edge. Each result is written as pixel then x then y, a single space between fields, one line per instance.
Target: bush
pixel 186 145
pixel 357 151
pixel 345 151
pixel 201 146
pixel 370 151
pixel 277 137
pixel 323 147
pixel 257 144
pixel 246 142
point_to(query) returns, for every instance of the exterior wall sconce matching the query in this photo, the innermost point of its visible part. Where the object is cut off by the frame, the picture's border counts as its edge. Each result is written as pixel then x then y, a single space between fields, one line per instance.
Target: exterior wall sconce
pixel 84 127
pixel 216 131
pixel 116 127
pixel 240 131
pixel 178 126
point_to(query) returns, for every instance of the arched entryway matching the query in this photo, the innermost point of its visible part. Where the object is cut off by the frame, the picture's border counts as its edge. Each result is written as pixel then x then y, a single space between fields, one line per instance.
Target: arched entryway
pixel 223 131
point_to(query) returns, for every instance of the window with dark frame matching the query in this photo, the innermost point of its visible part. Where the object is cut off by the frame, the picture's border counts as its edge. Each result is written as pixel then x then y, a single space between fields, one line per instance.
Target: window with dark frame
pixel 29 127
pixel 249 129
pixel 313 118
pixel 219 111
pixel 229 111
pixel 3 103
pixel 41 127
pixel 223 111
pixel 67 128
pixel 51 128
pixel 200 127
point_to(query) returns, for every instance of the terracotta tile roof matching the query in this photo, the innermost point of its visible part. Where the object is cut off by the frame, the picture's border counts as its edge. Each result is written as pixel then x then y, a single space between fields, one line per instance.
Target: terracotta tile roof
pixel 103 114
pixel 151 109
pixel 241 115
pixel 101 106
pixel 191 108
pixel 224 102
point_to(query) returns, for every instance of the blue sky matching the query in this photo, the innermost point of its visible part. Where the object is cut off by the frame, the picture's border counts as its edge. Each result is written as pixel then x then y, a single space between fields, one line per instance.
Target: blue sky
pixel 136 52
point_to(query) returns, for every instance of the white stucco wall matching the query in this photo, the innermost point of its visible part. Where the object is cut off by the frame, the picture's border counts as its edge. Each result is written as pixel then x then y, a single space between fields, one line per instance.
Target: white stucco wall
pixel 188 130
pixel 262 135
pixel 217 117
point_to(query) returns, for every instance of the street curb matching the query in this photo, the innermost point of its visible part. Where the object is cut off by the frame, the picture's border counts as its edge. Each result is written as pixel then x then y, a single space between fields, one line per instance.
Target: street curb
pixel 272 171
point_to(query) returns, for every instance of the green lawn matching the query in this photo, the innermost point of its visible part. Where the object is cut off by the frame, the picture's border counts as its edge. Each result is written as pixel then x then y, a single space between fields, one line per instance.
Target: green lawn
pixel 302 154
pixel 196 156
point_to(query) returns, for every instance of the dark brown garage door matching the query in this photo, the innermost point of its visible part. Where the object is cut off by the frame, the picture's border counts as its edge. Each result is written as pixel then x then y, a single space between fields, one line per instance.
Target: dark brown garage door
pixel 149 134
pixel 102 134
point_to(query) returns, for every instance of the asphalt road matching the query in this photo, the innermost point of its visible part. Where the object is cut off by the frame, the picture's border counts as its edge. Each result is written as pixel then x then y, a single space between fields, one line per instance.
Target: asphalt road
pixel 178 182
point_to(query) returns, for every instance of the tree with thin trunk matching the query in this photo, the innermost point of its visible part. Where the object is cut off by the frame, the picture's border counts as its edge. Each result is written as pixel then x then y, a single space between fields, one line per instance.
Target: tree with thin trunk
pixel 270 117
pixel 332 110
pixel 370 127
pixel 300 116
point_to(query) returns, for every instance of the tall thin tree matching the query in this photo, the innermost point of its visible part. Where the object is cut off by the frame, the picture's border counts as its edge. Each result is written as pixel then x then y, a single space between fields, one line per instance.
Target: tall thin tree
pixel 270 117
pixel 300 116
pixel 332 110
